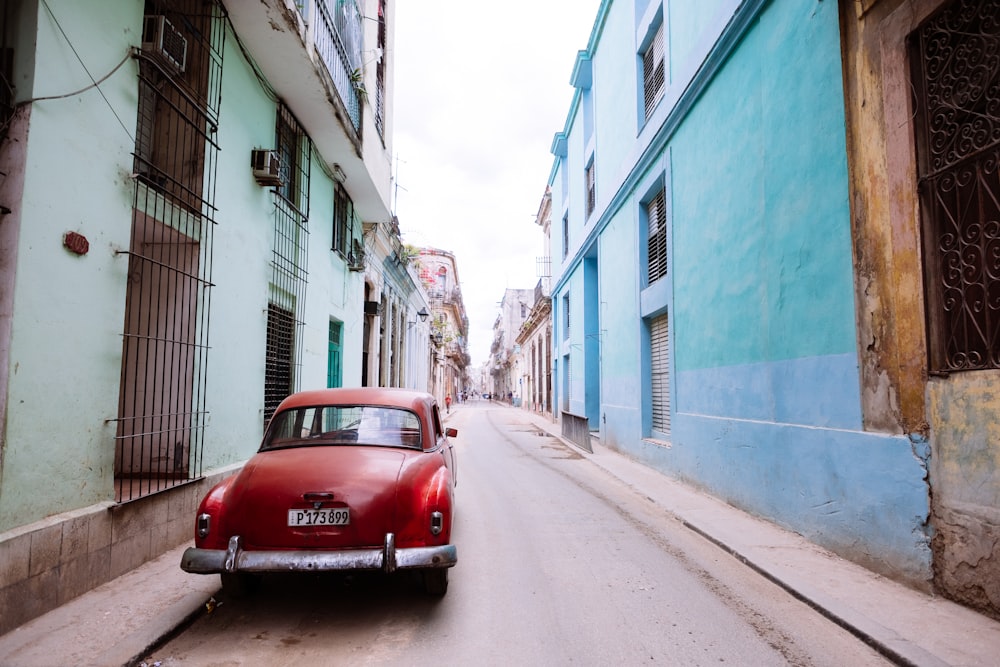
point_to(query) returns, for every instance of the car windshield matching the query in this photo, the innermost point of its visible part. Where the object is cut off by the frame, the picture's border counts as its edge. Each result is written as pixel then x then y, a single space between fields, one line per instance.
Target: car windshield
pixel 343 425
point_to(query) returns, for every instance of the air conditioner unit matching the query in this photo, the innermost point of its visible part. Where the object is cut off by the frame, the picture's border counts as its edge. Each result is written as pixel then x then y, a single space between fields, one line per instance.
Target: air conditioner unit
pixel 356 258
pixel 266 167
pixel 355 262
pixel 160 37
pixel 373 308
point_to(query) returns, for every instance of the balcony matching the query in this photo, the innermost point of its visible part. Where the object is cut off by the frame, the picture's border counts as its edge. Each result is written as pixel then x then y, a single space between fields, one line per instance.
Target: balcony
pixel 339 38
pixel 311 53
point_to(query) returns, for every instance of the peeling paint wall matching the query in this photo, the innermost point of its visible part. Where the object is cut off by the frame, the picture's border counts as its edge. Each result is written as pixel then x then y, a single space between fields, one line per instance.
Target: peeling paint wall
pixel 965 470
pixel 951 421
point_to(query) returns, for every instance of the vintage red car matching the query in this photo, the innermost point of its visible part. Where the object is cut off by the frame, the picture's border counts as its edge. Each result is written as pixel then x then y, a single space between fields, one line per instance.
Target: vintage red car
pixel 345 479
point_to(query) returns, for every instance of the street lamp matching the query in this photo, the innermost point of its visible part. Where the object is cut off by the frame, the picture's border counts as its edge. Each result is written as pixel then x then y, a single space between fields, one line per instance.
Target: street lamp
pixel 422 314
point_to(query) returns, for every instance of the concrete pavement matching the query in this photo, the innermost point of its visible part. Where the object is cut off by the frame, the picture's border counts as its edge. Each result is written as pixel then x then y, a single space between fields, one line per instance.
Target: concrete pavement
pixel 119 622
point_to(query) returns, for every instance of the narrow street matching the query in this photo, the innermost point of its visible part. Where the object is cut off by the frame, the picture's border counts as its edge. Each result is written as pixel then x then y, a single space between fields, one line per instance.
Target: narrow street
pixel 559 563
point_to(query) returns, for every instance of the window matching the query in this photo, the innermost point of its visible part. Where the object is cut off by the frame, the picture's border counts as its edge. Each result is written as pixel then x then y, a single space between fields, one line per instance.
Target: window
pixel 294 150
pixel 957 87
pixel 278 376
pixel 656 239
pixel 334 364
pixel 343 215
pixel 565 316
pixel 347 425
pixel 289 268
pixel 175 100
pixel 653 74
pixel 567 381
pixel 380 73
pixel 591 187
pixel 565 235
pixel 162 414
pixel 659 355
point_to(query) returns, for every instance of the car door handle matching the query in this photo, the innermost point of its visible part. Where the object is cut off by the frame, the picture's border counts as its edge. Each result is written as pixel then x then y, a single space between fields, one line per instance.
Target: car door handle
pixel 313 496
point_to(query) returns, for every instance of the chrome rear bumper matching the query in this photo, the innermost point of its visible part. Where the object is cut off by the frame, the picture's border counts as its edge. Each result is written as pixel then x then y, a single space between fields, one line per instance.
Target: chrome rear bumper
pixel 386 559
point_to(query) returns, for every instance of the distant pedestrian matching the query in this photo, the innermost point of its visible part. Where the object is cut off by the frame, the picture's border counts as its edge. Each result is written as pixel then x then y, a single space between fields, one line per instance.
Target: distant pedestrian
pixel 447 404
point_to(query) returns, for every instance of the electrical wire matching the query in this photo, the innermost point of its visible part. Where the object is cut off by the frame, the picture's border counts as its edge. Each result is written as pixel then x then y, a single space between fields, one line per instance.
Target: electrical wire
pixel 258 74
pixel 95 84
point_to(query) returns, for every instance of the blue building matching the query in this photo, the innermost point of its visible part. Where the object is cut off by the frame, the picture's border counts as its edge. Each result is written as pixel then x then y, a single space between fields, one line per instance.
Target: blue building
pixel 704 294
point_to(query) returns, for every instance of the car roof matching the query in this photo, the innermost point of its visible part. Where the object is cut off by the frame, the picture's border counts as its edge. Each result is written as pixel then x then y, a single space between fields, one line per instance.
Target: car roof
pixel 410 399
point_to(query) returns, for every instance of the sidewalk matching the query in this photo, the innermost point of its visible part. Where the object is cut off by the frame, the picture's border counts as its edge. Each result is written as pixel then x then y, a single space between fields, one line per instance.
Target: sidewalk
pixel 117 623
pixel 904 625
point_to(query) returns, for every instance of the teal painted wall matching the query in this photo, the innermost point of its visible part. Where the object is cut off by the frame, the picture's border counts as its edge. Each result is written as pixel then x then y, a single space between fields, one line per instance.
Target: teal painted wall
pixel 63 376
pixel 66 338
pixel 760 202
pixel 765 389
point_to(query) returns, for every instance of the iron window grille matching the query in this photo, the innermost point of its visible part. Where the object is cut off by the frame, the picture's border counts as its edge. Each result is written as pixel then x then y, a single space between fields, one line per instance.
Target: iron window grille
pixel 653 73
pixel 656 240
pixel 956 83
pixel 289 270
pixel 161 404
pixel 343 216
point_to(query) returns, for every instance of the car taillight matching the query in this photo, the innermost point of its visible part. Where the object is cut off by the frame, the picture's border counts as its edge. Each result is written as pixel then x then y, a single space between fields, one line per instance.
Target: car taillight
pixel 204 525
pixel 437 523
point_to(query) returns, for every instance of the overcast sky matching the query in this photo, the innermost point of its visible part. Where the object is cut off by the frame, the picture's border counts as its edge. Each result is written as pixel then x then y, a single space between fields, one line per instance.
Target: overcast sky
pixel 480 90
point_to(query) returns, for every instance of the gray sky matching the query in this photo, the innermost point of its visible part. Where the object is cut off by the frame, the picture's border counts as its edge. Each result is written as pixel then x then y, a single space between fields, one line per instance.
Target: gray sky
pixel 480 90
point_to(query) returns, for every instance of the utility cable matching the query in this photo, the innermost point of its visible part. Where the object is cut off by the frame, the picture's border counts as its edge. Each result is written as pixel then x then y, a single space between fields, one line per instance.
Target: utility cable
pixel 95 84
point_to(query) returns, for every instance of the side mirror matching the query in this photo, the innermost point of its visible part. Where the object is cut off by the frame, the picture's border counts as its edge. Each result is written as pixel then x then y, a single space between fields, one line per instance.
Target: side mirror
pixel 451 432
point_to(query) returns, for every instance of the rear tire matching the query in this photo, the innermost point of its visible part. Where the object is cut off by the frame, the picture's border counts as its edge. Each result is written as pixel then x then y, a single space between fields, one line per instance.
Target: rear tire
pixel 436 581
pixel 239 584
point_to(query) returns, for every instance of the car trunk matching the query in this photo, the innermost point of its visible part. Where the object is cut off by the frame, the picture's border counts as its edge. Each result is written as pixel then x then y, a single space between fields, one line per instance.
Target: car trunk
pixel 362 479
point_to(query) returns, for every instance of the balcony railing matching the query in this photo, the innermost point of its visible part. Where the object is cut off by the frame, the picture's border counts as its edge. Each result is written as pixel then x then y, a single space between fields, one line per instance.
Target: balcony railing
pixel 339 40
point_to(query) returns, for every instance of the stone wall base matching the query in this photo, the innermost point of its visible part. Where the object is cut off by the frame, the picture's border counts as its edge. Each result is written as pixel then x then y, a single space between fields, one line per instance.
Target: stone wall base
pixel 966 551
pixel 48 563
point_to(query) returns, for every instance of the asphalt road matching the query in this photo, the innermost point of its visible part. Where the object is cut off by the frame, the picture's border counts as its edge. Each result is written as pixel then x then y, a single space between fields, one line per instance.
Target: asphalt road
pixel 559 564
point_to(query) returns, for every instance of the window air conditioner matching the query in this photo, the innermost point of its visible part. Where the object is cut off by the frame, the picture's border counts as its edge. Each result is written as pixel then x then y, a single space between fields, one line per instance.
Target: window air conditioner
pixel 356 258
pixel 266 167
pixel 355 262
pixel 160 37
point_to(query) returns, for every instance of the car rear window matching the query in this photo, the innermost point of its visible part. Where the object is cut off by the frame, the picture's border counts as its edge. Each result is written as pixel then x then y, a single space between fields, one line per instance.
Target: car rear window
pixel 343 425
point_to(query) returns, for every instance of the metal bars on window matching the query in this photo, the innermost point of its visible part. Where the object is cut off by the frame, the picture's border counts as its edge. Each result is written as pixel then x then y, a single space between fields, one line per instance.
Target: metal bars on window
pixel 289 270
pixel 956 79
pixel 343 214
pixel 653 72
pixel 161 405
pixel 656 241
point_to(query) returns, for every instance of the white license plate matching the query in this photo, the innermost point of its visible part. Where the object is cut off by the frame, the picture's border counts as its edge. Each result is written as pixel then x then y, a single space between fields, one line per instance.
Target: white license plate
pixel 333 516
